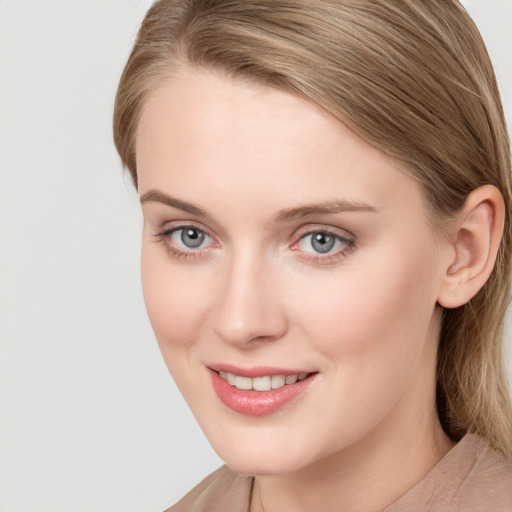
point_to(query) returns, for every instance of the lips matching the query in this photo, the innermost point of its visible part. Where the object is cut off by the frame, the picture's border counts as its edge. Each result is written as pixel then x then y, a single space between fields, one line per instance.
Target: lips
pixel 258 391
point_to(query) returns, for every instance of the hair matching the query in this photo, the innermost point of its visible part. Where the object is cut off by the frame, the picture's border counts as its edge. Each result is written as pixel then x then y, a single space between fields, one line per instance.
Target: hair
pixel 410 77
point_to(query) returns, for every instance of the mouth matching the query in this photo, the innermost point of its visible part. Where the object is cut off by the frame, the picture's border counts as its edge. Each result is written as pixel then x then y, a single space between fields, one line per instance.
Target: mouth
pixel 259 391
pixel 265 383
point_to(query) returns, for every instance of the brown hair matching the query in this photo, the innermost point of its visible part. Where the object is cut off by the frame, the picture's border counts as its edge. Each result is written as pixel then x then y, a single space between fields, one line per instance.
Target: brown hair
pixel 413 79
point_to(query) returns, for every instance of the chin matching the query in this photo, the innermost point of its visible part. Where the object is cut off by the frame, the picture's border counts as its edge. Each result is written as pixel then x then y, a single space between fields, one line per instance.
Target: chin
pixel 273 457
pixel 260 467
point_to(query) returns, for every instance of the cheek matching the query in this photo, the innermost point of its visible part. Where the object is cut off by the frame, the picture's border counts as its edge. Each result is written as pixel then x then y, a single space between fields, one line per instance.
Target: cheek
pixel 367 317
pixel 174 301
pixel 372 329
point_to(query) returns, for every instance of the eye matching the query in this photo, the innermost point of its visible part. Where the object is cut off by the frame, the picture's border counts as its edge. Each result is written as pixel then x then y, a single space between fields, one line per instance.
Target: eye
pixel 324 242
pixel 189 237
pixel 186 242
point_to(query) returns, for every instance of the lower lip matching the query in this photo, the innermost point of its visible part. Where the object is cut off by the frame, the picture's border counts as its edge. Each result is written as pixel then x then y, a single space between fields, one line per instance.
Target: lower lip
pixel 257 403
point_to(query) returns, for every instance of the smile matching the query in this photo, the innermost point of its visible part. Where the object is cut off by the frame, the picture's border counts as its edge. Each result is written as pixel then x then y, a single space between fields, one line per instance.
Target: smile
pixel 265 383
pixel 265 392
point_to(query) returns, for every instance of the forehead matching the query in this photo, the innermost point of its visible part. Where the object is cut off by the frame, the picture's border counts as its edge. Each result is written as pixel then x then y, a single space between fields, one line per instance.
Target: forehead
pixel 203 135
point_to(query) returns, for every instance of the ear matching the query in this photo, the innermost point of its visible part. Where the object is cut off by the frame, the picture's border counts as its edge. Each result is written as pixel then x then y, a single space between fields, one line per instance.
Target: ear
pixel 474 243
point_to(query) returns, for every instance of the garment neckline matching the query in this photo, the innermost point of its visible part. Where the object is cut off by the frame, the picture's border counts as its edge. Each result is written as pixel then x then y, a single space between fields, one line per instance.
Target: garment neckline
pixel 449 458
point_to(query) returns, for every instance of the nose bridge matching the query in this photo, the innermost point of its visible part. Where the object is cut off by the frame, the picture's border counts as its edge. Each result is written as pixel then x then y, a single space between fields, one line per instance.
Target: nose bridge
pixel 247 307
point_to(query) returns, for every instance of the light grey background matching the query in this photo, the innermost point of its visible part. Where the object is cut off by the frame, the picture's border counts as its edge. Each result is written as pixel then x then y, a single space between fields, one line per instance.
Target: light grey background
pixel 90 420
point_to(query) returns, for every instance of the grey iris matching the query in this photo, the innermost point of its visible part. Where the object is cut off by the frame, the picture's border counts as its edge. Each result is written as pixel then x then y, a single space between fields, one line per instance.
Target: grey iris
pixel 322 242
pixel 192 238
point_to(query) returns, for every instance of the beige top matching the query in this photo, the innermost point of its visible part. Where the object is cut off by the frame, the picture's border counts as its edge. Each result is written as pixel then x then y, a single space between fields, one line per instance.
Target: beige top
pixel 470 478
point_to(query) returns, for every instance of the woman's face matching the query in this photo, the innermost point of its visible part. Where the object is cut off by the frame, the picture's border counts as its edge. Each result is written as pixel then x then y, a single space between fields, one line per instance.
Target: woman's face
pixel 277 243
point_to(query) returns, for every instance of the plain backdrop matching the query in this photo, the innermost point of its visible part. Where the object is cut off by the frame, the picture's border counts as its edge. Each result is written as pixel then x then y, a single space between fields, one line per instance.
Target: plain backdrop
pixel 90 420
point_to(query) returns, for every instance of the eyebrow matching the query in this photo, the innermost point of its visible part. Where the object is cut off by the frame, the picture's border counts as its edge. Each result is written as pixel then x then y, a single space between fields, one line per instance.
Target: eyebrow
pixel 326 207
pixel 156 196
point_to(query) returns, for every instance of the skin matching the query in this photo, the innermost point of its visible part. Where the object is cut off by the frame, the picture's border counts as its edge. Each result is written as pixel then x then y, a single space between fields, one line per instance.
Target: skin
pixel 257 294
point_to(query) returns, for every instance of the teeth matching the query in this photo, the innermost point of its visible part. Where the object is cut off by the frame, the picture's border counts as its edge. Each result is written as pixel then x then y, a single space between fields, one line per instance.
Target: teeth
pixel 278 381
pixel 243 382
pixel 262 383
pixel 265 383
pixel 291 379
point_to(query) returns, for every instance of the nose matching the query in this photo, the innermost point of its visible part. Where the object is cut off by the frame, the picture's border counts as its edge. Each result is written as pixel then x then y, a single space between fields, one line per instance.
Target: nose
pixel 248 307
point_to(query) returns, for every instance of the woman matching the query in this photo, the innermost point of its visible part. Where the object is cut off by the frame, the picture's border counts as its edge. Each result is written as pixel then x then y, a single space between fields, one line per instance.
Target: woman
pixel 326 252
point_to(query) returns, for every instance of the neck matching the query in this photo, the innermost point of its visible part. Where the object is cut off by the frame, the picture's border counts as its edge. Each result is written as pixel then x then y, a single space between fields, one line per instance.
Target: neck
pixel 343 481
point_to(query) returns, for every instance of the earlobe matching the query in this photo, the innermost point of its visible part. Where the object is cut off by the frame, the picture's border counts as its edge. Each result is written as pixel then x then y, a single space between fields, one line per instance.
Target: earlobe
pixel 478 231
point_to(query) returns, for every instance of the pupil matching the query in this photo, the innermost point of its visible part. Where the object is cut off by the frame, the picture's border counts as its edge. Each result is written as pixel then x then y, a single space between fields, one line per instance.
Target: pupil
pixel 192 237
pixel 323 242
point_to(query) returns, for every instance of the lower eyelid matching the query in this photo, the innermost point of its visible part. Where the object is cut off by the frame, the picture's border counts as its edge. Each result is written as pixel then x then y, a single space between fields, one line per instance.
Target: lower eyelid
pixel 179 252
pixel 333 256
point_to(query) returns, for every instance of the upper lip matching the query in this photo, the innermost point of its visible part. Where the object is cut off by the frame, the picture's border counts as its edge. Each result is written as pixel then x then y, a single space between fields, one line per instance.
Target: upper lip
pixel 257 371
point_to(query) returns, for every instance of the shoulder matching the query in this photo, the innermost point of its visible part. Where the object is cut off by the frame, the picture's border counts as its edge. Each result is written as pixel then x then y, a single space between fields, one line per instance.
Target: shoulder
pixel 487 483
pixel 471 478
pixel 220 491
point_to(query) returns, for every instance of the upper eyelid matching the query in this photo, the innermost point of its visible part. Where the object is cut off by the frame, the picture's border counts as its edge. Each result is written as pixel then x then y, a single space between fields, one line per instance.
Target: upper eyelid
pixel 337 232
pixel 349 241
pixel 171 227
pixel 330 233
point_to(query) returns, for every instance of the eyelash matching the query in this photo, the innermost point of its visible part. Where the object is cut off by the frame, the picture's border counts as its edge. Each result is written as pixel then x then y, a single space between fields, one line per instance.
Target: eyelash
pixel 163 237
pixel 331 257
